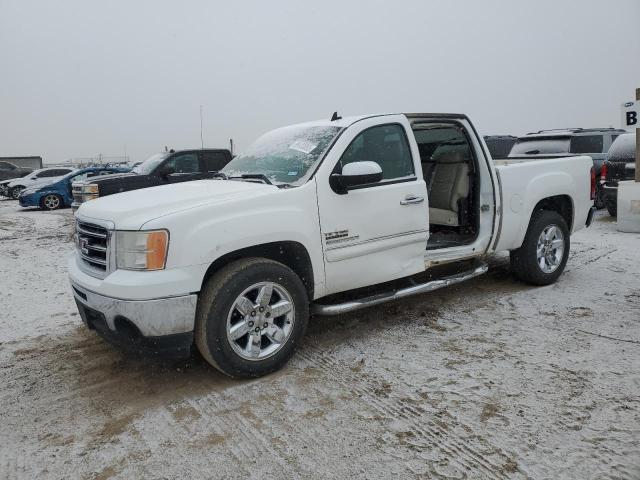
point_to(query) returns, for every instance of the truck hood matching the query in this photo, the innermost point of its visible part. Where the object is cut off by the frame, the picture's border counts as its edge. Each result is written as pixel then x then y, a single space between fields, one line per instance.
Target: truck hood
pixel 131 210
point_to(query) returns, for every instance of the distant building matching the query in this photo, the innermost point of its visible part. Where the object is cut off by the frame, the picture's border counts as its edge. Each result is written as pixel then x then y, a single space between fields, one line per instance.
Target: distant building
pixel 25 162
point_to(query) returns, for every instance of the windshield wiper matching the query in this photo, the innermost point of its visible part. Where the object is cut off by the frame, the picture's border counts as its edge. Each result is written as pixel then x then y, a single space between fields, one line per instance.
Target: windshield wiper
pixel 221 175
pixel 252 177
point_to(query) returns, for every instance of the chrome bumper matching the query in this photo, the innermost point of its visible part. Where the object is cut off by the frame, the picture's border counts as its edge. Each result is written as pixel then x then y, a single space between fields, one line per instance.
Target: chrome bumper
pixel 153 318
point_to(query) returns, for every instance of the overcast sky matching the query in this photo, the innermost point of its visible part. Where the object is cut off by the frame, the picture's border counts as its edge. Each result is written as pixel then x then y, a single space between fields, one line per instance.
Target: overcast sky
pixel 78 78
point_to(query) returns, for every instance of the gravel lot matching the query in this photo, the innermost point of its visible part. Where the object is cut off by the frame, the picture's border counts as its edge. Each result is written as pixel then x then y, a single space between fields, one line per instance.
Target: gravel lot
pixel 489 379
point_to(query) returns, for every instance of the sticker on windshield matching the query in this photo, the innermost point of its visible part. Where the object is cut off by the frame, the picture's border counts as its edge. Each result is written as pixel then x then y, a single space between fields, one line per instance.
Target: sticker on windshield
pixel 292 174
pixel 304 146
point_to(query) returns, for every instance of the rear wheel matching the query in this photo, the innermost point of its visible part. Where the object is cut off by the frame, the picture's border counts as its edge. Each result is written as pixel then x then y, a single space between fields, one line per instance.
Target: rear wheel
pixel 251 316
pixel 545 249
pixel 51 201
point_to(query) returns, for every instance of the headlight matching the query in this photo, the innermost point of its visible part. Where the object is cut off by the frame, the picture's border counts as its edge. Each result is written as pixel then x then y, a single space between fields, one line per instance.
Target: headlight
pixel 89 192
pixel 142 250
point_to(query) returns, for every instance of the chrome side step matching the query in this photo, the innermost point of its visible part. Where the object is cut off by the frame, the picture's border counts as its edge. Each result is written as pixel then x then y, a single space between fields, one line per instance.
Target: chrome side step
pixel 338 308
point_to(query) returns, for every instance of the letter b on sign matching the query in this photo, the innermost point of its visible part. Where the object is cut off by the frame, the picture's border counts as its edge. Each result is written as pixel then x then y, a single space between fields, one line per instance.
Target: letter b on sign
pixel 632 118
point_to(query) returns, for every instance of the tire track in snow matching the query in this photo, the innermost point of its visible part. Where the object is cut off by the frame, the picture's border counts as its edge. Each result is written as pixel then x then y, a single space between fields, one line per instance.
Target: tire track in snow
pixel 468 459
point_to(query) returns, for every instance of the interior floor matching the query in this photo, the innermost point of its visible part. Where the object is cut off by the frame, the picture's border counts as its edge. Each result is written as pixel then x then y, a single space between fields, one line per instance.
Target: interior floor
pixel 447 239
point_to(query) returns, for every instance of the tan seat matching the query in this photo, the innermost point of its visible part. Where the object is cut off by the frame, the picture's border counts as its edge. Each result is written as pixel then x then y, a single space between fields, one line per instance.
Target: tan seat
pixel 449 182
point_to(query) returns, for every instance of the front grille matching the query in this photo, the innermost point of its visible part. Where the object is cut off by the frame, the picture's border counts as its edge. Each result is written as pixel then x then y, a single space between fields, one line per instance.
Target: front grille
pixel 92 242
pixel 77 192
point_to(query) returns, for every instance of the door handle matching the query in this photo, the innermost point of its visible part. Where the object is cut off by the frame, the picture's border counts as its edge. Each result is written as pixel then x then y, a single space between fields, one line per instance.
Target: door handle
pixel 411 199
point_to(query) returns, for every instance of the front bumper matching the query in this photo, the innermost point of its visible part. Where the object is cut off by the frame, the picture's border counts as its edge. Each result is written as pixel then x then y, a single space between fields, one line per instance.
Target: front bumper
pixel 162 326
pixel 30 200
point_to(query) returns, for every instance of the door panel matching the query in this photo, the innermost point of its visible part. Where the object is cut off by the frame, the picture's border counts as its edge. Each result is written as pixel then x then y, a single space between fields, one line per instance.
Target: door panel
pixel 376 233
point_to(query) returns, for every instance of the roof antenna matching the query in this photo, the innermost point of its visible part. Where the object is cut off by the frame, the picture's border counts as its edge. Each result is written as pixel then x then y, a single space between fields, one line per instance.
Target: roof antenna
pixel 335 117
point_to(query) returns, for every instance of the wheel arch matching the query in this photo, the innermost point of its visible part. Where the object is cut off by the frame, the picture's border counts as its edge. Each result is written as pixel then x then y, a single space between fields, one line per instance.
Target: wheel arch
pixel 562 204
pixel 290 253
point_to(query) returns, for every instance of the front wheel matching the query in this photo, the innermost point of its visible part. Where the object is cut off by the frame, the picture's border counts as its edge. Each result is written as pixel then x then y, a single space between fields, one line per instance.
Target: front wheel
pixel 545 249
pixel 51 201
pixel 15 192
pixel 612 208
pixel 251 315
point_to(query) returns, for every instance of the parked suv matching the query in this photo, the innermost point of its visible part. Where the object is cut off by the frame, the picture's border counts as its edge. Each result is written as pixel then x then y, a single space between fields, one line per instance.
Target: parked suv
pixel 9 170
pixel 619 165
pixel 594 142
pixel 159 169
pixel 37 177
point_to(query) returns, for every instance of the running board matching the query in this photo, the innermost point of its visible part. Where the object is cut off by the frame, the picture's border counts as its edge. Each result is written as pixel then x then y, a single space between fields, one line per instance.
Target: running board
pixel 339 308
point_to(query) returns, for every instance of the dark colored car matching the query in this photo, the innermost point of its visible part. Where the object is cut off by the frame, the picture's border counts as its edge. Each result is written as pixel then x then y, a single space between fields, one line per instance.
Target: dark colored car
pixel 57 194
pixel 9 171
pixel 619 165
pixel 594 142
pixel 159 169
pixel 500 145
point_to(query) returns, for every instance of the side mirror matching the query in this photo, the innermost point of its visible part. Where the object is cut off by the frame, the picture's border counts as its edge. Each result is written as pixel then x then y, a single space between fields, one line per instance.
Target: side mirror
pixel 164 172
pixel 355 174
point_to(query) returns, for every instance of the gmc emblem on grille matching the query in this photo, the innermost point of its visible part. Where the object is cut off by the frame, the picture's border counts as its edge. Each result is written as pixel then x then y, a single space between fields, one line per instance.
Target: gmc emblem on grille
pixel 83 243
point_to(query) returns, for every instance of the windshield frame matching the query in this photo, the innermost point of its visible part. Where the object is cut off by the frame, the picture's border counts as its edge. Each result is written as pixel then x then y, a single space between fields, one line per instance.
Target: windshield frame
pixel 313 168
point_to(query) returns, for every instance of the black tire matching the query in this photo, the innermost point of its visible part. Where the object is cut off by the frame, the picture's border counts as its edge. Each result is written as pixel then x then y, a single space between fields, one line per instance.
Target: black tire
pixel 216 301
pixel 15 192
pixel 51 201
pixel 524 263
pixel 599 202
pixel 612 209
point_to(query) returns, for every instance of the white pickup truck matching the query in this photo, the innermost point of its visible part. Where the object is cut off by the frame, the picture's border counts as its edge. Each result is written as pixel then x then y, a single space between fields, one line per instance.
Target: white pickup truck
pixel 303 221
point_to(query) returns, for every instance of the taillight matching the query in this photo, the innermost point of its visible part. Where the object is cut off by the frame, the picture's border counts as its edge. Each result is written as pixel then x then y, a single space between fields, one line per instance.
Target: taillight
pixel 593 183
pixel 603 173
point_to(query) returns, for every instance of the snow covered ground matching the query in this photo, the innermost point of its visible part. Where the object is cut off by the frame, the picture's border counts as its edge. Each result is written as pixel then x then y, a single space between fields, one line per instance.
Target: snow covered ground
pixel 489 379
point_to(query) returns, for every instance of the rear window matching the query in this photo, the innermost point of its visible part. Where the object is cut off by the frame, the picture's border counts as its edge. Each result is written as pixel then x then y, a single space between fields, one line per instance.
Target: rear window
pixel 623 149
pixel 540 146
pixel 586 144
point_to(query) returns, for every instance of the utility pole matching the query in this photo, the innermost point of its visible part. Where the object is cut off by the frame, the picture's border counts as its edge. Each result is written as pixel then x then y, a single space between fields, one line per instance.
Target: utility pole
pixel 201 138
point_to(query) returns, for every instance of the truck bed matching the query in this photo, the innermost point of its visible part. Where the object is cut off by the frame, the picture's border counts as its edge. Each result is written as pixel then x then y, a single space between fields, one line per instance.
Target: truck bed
pixel 522 179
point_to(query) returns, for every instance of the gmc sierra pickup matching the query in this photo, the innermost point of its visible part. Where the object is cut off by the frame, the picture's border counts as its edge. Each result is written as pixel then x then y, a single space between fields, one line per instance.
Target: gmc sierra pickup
pixel 317 218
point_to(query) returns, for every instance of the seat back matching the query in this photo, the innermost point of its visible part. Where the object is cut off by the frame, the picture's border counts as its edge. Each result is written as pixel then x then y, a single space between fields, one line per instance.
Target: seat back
pixel 449 181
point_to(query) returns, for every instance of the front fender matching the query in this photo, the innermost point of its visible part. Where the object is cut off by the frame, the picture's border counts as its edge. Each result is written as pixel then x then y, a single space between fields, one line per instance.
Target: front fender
pixel 201 235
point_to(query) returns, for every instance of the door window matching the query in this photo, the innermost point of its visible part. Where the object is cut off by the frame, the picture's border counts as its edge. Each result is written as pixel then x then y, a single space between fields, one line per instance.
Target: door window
pixel 386 145
pixel 51 173
pixel 586 144
pixel 182 163
pixel 214 161
pixel 6 166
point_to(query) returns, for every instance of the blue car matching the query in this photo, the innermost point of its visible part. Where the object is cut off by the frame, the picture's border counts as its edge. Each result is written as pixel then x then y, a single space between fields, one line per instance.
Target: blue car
pixel 58 194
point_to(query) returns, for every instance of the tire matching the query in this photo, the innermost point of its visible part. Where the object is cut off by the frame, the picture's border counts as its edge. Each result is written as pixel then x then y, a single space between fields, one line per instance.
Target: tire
pixel 15 192
pixel 599 201
pixel 51 201
pixel 218 317
pixel 526 265
pixel 612 209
